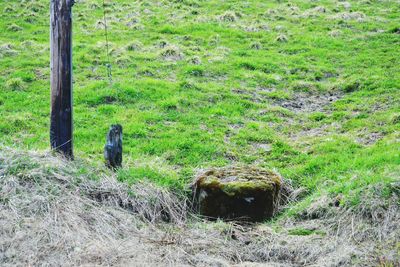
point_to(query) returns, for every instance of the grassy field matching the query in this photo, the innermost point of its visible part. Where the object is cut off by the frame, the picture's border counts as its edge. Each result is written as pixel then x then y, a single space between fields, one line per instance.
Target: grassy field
pixel 308 88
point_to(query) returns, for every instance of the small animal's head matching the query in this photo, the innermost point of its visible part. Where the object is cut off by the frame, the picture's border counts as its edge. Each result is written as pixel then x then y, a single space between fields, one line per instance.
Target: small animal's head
pixel 115 132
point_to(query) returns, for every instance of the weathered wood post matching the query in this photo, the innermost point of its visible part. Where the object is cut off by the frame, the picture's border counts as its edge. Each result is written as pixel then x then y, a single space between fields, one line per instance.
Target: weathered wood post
pixel 61 76
pixel 113 147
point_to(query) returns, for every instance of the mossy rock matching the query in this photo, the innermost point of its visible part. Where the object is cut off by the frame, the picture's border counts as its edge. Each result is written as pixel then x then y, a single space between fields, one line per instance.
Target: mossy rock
pixel 238 193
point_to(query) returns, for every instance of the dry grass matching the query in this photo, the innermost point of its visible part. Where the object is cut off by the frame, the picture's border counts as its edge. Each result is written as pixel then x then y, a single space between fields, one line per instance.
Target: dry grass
pixel 53 213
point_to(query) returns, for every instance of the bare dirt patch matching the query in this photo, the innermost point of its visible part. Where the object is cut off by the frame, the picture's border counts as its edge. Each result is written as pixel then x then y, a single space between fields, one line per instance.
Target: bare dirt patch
pixel 308 102
pixel 307 134
pixel 299 102
pixel 369 138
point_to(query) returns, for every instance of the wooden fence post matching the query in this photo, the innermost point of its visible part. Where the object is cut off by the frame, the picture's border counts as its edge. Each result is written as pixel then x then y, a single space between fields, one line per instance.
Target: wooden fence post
pixel 61 138
pixel 113 147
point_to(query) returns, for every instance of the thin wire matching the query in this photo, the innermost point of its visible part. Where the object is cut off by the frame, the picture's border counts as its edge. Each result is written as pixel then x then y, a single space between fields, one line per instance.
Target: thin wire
pixel 109 73
pixel 57 147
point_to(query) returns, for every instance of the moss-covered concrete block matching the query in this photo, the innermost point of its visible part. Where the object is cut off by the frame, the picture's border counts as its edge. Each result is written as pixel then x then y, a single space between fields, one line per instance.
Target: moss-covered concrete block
pixel 238 193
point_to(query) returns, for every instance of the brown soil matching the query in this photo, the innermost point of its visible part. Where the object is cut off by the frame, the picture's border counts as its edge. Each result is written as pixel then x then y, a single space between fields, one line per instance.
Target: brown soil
pixel 307 102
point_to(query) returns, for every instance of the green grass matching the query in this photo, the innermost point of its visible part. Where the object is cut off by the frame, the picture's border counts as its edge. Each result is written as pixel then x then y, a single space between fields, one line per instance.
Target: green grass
pixel 200 83
pixel 304 232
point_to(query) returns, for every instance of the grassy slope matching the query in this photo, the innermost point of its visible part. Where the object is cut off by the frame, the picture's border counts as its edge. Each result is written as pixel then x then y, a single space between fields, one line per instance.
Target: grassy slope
pixel 199 83
pixel 53 213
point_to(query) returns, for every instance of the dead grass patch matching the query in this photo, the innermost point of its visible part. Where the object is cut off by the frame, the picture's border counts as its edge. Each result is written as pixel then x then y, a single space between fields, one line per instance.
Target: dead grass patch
pixel 52 212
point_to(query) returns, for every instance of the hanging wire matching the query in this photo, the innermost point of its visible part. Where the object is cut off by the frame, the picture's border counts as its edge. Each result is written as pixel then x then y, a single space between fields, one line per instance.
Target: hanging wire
pixel 108 65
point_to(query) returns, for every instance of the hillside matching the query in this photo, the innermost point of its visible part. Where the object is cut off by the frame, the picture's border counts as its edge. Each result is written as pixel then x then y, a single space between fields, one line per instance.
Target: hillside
pixel 307 88
pixel 53 213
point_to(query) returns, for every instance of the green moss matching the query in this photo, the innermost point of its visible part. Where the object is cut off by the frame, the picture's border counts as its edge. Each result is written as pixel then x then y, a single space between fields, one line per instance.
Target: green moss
pixel 210 181
pixel 240 180
pixel 241 188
